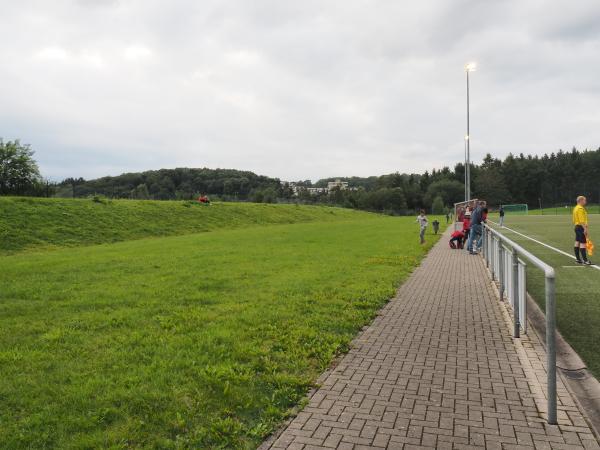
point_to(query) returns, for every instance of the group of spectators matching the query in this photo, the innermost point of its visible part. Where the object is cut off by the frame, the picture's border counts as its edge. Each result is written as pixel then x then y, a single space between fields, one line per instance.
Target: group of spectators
pixel 472 217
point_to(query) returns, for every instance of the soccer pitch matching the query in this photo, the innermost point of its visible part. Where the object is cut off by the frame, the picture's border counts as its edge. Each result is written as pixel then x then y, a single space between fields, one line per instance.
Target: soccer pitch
pixel 577 287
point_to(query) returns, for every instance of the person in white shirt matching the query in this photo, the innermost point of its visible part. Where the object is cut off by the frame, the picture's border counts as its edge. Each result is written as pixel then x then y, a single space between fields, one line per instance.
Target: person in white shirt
pixel 422 220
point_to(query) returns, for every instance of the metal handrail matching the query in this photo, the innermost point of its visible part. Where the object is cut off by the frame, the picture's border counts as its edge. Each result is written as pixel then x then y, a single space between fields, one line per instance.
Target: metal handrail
pixel 548 270
pixel 550 294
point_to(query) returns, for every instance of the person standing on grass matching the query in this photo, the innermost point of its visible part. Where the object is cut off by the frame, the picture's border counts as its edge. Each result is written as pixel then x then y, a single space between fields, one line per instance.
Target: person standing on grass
pixel 580 220
pixel 447 218
pixel 436 226
pixel 501 213
pixel 422 220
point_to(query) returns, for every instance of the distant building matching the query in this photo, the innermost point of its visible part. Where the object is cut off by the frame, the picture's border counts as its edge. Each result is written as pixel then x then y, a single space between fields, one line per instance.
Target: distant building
pixel 342 185
pixel 292 185
pixel 331 185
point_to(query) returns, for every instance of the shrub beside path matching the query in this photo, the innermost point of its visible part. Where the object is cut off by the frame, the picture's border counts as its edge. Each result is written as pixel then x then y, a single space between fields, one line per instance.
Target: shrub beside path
pixel 438 369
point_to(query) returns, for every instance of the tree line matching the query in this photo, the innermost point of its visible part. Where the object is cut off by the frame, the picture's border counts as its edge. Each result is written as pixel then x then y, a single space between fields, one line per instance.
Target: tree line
pixel 549 180
pixel 174 184
pixel 554 179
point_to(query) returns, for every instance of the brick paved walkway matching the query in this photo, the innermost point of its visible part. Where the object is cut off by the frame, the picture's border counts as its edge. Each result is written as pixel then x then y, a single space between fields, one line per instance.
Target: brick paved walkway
pixel 438 369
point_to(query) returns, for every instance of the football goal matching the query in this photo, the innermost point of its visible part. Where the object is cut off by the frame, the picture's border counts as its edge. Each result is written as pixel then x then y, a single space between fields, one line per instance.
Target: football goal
pixel 518 208
pixel 460 209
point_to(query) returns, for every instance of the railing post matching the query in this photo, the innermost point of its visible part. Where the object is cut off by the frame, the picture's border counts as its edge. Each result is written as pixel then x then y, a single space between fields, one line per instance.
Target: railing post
pixel 551 348
pixel 501 268
pixel 496 250
pixel 493 262
pixel 492 253
pixel 523 295
pixel 515 292
pixel 497 256
pixel 486 246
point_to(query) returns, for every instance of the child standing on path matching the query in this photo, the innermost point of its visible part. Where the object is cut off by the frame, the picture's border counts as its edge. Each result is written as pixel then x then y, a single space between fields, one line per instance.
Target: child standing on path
pixel 436 226
pixel 422 220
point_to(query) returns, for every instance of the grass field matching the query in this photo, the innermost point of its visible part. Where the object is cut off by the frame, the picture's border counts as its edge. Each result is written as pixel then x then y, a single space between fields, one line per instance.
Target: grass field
pixel 197 341
pixel 562 210
pixel 577 287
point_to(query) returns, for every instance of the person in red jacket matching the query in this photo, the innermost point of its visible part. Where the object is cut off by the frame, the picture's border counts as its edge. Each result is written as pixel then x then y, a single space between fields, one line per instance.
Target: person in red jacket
pixel 466 225
pixel 457 239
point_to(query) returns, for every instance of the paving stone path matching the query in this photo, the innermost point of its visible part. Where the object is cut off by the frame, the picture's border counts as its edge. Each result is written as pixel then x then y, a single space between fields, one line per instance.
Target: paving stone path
pixel 438 369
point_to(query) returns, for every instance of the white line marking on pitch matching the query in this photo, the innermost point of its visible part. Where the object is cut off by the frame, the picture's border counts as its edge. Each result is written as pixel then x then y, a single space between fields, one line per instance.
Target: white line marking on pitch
pixel 542 243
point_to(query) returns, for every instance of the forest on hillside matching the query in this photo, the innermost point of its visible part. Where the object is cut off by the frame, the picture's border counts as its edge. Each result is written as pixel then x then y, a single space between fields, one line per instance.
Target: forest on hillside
pixel 549 180
pixel 173 184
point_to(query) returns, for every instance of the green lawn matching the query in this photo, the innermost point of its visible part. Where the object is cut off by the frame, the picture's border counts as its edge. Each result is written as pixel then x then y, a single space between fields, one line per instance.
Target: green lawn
pixel 198 341
pixel 577 287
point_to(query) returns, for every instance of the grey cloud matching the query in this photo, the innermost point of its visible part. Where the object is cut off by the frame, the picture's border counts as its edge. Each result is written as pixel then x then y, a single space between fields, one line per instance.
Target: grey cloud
pixel 294 89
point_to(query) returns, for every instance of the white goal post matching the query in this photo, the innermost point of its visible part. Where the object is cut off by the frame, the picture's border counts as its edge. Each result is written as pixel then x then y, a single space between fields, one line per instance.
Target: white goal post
pixel 460 209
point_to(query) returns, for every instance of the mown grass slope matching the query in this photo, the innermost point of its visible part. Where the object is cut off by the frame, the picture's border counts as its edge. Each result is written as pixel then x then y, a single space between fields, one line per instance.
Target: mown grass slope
pixel 196 341
pixel 36 223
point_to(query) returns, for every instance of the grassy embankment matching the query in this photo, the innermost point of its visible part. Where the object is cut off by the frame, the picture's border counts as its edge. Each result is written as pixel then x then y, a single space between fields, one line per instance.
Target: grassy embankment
pixel 50 223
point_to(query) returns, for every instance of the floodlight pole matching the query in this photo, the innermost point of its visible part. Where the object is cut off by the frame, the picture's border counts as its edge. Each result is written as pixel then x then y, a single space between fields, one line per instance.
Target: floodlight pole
pixel 468 139
pixel 466 195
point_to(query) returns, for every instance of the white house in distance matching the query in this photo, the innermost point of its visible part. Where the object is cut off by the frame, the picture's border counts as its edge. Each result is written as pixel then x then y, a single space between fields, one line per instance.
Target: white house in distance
pixel 331 185
pixel 343 185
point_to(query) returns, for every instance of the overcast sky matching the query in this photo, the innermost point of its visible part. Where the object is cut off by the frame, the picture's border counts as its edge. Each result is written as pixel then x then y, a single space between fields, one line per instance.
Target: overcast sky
pixel 295 89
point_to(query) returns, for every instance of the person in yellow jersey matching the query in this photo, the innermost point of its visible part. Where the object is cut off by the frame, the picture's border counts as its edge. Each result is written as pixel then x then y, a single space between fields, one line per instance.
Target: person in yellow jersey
pixel 580 220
